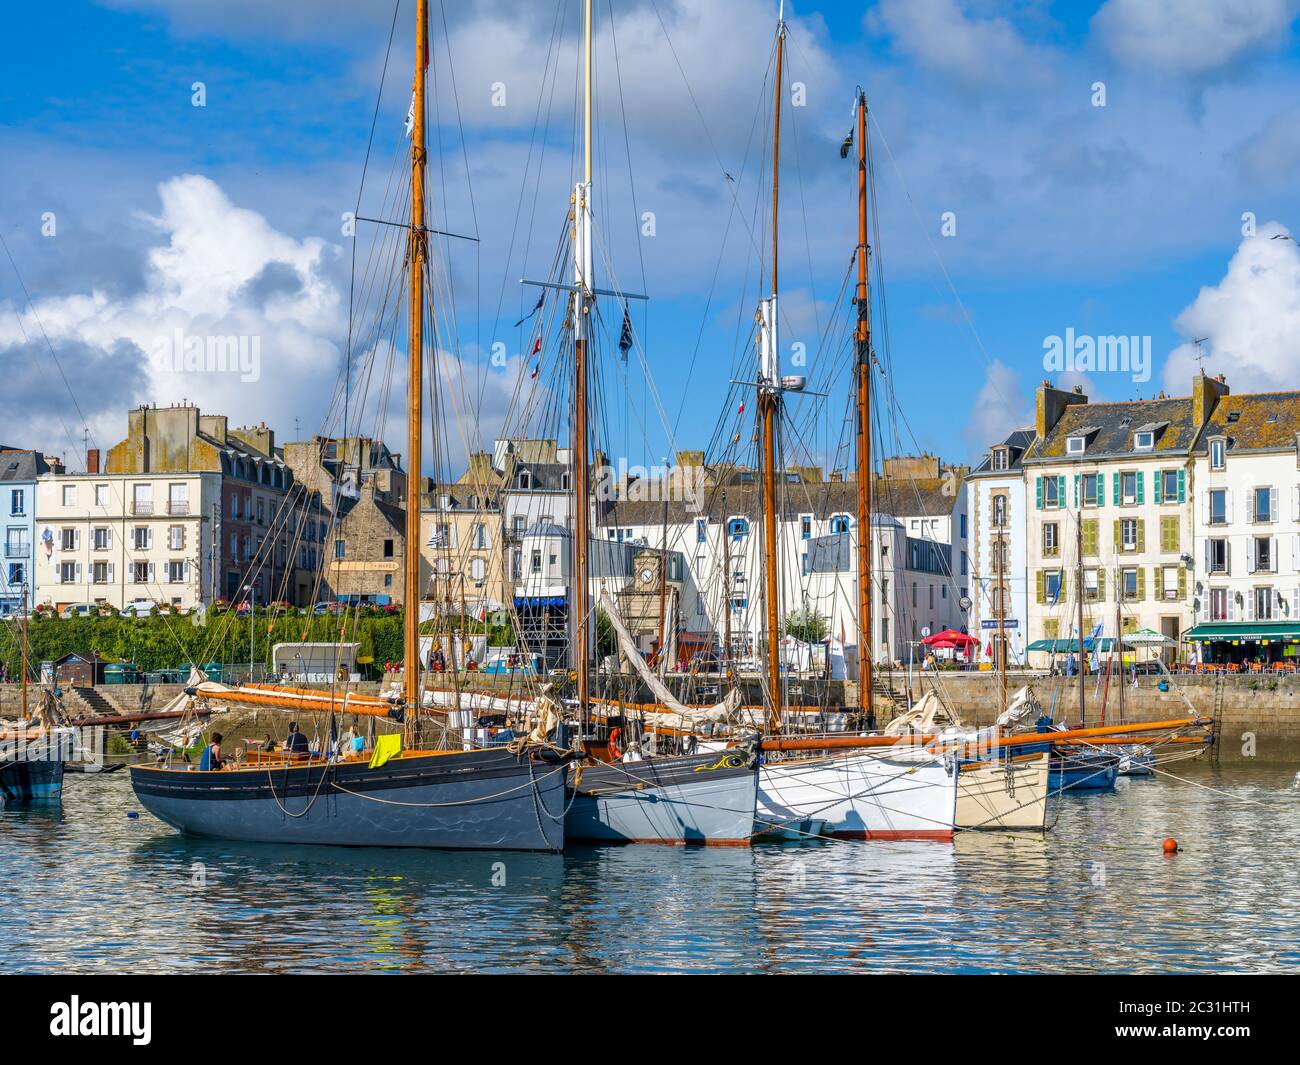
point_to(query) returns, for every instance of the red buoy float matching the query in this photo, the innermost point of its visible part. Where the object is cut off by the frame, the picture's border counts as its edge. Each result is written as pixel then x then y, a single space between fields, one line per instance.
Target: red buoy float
pixel 1170 846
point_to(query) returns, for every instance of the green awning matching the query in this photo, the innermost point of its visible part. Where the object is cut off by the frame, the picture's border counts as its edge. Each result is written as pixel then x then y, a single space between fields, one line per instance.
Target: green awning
pixel 1069 647
pixel 1249 631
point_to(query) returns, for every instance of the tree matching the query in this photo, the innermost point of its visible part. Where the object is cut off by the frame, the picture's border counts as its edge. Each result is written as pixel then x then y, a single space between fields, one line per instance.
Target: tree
pixel 806 624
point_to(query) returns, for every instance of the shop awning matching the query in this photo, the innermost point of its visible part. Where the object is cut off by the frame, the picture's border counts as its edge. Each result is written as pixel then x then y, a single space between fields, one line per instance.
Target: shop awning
pixel 1070 647
pixel 1245 631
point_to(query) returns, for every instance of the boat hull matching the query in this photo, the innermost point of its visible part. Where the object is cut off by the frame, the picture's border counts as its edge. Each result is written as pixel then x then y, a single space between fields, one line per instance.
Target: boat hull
pixel 1003 795
pixel 472 800
pixel 703 799
pixel 1083 772
pixel 858 796
pixel 33 780
pixel 1137 762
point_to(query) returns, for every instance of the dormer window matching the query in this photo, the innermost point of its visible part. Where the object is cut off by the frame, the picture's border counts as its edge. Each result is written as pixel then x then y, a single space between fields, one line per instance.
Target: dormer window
pixel 1144 441
pixel 1218 453
pixel 1001 458
pixel 1076 445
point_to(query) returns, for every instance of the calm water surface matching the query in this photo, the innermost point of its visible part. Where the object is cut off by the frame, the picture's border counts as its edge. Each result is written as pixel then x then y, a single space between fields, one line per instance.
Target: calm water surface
pixel 85 888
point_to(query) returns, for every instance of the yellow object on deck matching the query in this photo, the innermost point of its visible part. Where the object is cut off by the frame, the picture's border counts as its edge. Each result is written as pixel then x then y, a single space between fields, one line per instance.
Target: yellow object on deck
pixel 386 747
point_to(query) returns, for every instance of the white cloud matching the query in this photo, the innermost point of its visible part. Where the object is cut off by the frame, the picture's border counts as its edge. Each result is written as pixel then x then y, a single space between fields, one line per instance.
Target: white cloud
pixel 1250 320
pixel 1191 37
pixel 999 407
pixel 941 36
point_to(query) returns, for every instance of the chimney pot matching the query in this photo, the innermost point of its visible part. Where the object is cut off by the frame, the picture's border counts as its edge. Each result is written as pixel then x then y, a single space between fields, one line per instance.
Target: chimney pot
pixel 92 460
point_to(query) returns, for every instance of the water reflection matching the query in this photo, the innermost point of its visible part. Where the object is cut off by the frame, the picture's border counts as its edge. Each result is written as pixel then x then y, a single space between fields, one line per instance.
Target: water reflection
pixel 84 887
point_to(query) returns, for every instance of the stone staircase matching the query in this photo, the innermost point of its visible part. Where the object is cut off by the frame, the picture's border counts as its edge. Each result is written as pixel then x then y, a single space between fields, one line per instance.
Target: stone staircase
pixel 890 687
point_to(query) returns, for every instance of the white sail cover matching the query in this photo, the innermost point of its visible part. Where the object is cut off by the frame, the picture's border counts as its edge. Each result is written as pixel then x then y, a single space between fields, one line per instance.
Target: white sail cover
pixel 676 714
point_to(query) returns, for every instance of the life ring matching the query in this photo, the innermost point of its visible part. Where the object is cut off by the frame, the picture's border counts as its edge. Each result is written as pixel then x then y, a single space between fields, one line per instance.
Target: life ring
pixel 615 752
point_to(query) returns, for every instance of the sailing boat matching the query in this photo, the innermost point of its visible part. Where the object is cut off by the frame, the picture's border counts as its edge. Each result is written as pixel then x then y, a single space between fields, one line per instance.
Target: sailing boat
pixel 507 798
pixel 704 798
pixel 908 794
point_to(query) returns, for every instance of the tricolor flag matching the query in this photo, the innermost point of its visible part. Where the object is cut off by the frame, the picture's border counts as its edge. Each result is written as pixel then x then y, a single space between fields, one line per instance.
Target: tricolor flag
pixel 532 375
pixel 537 345
pixel 741 409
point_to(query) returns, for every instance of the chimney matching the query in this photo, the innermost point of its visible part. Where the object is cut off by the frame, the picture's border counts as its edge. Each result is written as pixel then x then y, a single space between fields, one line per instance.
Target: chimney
pixel 1050 404
pixel 1206 393
pixel 92 460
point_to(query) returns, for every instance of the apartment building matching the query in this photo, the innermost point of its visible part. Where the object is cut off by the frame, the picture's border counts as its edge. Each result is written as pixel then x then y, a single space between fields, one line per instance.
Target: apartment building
pixel 1109 514
pixel 462 541
pixel 998 524
pixel 19 470
pixel 1247 512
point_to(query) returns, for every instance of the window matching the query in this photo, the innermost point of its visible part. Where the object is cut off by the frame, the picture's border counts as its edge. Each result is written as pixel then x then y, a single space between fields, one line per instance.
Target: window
pixel 142 538
pixel 1130 583
pixel 103 538
pixel 535 562
pixel 1264 554
pixel 388 580
pixel 99 573
pixel 1264 505
pixel 1219 506
pixel 176 572
pixel 388 549
pixel 17 574
pixel 142 499
pixel 517 525
pixel 1218 453
pixel 738 528
pixel 839 523
pixel 17 501
pixel 999 512
pixel 178 498
pixel 340 549
pixel 1051 539
pixel 1052 585
pixel 68 539
pixel 1217 562
pixel 101 495
pixel 805 526
pixel 1091 489
pixel 1219 604
pixel 1051 492
pixel 176 537
pixel 69 495
pixel 1128 530
pixel 701 530
pixel 1001 458
pixel 1168 486
pixel 1128 488
pixel 1263 604
pixel 1144 441
pixel 1091 585
pixel 516 564
pixel 1075 445
pixel 140 572
pixel 1169 581
pixel 479 535
pixel 477 570
pixel 67 573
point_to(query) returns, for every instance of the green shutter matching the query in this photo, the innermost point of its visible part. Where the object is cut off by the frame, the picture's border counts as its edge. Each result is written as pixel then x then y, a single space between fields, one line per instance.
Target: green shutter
pixel 1060 490
pixel 1182 582
pixel 1101 583
pixel 1076 489
pixel 1169 534
pixel 1114 481
pixel 1090 546
pixel 1182 486
pixel 1157 485
pixel 1042 594
pixel 1118 540
pixel 1142 534
pixel 1141 488
pixel 1142 583
pixel 1038 491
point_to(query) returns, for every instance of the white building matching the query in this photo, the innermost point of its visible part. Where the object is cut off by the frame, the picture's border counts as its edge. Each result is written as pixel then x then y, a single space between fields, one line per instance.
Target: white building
pixel 110 539
pixel 998 517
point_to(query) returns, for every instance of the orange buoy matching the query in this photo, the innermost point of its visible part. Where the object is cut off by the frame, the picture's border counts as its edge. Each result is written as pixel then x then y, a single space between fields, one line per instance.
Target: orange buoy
pixel 1170 846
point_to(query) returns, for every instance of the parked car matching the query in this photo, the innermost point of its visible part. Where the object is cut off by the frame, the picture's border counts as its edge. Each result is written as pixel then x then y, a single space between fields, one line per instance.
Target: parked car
pixel 321 609
pixel 139 608
pixel 79 610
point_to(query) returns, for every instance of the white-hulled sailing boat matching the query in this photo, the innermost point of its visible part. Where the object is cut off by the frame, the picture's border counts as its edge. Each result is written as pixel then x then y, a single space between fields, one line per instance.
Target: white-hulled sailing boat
pixel 508 798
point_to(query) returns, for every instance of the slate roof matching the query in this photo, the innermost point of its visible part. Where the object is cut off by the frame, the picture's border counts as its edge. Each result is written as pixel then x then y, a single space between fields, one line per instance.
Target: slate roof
pixel 18 465
pixel 1110 427
pixel 1017 441
pixel 1262 421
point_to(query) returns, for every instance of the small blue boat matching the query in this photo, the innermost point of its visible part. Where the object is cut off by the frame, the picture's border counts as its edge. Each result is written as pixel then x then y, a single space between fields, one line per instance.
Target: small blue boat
pixel 1136 761
pixel 1083 771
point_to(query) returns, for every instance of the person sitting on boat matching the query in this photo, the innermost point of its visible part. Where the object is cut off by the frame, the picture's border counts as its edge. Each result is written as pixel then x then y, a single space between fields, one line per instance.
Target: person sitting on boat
pixel 212 755
pixel 295 742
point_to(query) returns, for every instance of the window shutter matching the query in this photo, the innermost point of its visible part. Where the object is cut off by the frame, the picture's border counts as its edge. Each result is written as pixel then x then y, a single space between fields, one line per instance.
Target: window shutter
pixel 187 572
pixel 1115 489
pixel 151 576
pixel 1090 536
pixel 76 540
pixel 1157 488
pixel 1060 490
pixel 1182 583
pixel 1160 582
pixel 1206 509
pixel 1142 583
pixel 1076 489
pixel 1250 506
pixel 1141 533
pixel 130 571
pixel 78 573
pixel 1272 554
pixel 1141 487
pixel 1101 584
pixel 1272 504
pixel 1205 605
pixel 1038 492
pixel 1227 504
pixel 1250 554
pixel 1227 558
pixel 1232 606
pixel 110 573
pixel 1295 552
pixel 1042 587
pixel 1182 486
pixel 1119 536
pixel 1207 555
pixel 1250 606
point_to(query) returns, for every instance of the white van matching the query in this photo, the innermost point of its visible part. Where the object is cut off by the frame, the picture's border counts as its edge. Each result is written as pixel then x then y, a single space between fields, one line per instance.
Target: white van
pixel 139 608
pixel 79 610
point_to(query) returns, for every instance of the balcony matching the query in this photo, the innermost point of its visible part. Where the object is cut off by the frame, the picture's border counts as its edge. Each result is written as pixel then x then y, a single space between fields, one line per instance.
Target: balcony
pixel 22 550
pixel 178 506
pixel 142 507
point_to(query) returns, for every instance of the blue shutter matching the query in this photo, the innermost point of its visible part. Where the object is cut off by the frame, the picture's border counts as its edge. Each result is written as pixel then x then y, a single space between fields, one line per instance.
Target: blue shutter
pixel 1182 486
pixel 1141 488
pixel 1038 492
pixel 1115 489
pixel 1157 485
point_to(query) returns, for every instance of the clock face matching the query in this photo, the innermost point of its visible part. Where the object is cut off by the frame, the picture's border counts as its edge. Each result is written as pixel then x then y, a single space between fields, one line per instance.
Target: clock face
pixel 647 575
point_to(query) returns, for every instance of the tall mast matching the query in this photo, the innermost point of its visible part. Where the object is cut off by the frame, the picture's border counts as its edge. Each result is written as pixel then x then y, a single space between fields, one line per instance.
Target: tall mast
pixel 769 405
pixel 1083 667
pixel 863 372
pixel 414 379
pixel 582 296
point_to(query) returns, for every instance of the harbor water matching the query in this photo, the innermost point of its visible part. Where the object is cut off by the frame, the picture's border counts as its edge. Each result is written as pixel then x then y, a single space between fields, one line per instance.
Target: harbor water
pixel 86 887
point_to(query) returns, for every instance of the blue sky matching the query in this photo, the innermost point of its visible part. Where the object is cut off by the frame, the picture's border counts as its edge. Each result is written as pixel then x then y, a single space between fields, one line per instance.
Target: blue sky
pixel 1124 219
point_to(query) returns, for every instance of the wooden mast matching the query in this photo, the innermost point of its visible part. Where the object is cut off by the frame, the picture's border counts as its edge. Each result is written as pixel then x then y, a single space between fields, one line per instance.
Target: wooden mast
pixel 1083 667
pixel 582 262
pixel 24 662
pixel 414 380
pixel 863 369
pixel 769 405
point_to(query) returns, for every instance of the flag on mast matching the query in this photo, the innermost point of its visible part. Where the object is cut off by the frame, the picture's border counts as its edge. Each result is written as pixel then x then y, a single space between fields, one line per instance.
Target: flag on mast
pixel 536 307
pixel 625 337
